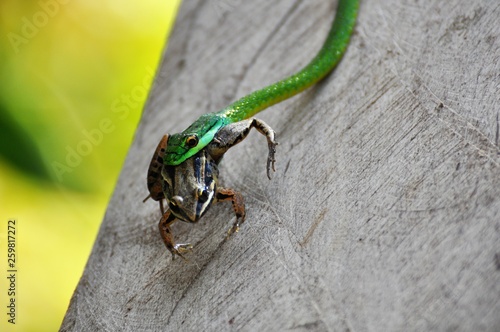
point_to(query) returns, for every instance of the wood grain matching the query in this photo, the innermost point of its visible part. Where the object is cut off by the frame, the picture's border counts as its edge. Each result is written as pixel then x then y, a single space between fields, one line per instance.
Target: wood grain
pixel 384 211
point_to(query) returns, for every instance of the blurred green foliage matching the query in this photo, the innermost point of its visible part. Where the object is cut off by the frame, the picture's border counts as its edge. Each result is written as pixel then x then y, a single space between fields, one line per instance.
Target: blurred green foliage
pixel 16 155
pixel 74 77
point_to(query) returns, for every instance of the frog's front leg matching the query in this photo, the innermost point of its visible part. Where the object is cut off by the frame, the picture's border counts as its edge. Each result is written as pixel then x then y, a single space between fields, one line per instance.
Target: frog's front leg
pixel 168 238
pixel 231 134
pixel 236 199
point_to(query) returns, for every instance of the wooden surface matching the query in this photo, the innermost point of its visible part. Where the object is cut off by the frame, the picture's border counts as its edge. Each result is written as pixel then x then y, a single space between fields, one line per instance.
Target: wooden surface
pixel 384 211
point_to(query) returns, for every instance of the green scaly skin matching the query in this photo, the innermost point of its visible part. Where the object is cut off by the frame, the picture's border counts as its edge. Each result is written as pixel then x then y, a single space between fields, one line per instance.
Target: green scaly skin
pixel 184 145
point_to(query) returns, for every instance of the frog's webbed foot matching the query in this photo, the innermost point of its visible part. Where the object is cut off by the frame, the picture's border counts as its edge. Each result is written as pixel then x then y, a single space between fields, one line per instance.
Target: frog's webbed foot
pixel 270 134
pixel 179 249
pixel 168 238
pixel 230 135
pixel 236 199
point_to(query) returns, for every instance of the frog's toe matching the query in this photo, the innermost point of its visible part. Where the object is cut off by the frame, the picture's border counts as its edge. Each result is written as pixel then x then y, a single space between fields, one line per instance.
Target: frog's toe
pixel 234 229
pixel 180 249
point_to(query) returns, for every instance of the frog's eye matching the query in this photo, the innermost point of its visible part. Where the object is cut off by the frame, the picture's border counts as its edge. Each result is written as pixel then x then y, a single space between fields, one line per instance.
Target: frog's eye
pixel 203 195
pixel 192 141
pixel 175 203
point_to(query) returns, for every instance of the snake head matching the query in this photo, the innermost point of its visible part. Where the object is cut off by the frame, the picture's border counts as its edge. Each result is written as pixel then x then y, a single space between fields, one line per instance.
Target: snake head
pixel 184 145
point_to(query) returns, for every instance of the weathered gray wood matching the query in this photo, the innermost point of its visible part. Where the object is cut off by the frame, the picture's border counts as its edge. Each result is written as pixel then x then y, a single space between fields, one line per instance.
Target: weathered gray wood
pixel 384 212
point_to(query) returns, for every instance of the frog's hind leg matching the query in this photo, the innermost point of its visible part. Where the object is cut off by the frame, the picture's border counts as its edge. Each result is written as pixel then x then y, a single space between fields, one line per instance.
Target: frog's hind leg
pixel 231 134
pixel 154 179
